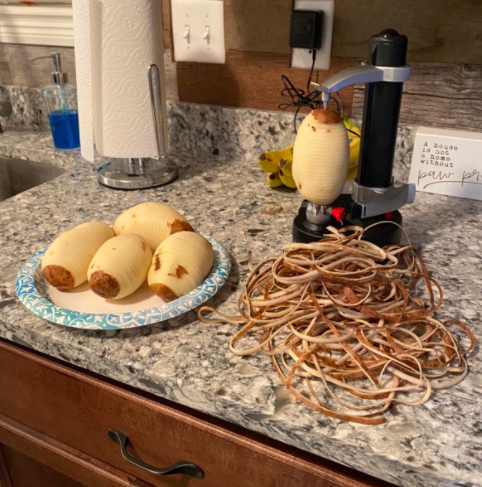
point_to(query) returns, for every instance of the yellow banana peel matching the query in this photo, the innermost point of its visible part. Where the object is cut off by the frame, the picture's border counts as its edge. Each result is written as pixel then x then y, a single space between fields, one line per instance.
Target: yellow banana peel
pixel 274 180
pixel 270 161
pixel 354 147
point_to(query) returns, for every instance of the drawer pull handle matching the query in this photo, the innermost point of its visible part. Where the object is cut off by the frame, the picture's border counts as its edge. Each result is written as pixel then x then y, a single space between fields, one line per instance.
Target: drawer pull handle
pixel 181 467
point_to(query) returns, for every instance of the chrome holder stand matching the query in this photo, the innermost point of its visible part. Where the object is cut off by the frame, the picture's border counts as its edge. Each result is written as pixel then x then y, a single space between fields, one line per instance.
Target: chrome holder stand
pixel 141 173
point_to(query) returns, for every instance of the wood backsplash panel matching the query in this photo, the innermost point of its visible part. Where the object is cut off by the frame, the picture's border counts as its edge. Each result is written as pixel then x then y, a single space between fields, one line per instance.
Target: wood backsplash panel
pixel 439 95
pixel 166 24
pixel 258 25
pixel 438 30
pixel 249 80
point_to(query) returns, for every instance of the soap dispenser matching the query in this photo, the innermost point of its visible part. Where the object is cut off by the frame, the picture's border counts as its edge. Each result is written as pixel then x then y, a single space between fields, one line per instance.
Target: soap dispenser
pixel 61 101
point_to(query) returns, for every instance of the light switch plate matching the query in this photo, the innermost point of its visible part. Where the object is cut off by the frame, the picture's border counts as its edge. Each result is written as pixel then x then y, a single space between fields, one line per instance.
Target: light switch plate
pixel 303 58
pixel 447 162
pixel 198 31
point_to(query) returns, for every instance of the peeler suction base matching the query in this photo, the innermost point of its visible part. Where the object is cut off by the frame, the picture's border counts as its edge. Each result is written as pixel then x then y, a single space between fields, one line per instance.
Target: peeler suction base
pixel 131 174
pixel 381 235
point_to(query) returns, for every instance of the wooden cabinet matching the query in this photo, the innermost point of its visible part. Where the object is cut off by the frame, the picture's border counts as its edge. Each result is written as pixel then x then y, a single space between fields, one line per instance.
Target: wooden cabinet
pixel 19 471
pixel 61 417
pixel 29 458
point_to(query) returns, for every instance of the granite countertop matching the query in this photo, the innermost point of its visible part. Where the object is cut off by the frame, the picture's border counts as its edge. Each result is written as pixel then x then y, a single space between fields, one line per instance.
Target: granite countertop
pixel 438 444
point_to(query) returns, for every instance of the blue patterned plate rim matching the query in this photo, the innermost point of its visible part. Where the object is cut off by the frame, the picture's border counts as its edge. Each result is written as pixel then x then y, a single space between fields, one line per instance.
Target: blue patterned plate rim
pixel 30 277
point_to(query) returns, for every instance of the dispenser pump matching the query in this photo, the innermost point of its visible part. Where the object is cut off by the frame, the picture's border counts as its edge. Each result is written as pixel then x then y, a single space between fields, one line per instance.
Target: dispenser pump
pixel 60 99
pixel 58 77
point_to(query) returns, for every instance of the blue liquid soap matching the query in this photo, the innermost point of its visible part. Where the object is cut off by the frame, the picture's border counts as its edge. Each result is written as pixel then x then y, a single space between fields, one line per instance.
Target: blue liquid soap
pixel 65 129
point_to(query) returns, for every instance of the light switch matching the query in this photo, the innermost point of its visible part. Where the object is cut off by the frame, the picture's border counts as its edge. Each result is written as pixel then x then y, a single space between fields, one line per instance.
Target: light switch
pixel 198 31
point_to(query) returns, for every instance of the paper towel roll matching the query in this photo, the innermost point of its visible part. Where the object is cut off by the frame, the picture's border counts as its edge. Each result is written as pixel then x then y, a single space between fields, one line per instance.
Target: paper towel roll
pixel 123 38
pixel 81 13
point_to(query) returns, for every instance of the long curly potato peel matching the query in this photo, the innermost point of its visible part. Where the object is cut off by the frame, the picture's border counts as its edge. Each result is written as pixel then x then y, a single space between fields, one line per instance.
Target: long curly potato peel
pixel 349 327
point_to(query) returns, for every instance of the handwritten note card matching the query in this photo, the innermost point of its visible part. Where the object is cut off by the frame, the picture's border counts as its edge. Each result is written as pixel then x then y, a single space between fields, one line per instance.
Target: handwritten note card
pixel 447 162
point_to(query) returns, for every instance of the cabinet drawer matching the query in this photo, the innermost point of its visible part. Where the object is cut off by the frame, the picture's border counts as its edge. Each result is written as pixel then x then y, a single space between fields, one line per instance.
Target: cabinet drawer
pixel 78 410
pixel 32 458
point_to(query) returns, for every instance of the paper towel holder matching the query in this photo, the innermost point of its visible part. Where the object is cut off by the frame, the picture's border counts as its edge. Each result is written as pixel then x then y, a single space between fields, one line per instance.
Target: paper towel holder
pixel 142 173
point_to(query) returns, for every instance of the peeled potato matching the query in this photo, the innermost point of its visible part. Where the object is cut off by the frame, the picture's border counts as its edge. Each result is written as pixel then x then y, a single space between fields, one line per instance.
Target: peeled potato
pixel 120 266
pixel 179 265
pixel 320 157
pixel 66 261
pixel 152 221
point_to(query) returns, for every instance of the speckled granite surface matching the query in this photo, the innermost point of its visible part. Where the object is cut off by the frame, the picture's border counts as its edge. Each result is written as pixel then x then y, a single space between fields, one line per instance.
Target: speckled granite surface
pixel 435 445
pixel 28 109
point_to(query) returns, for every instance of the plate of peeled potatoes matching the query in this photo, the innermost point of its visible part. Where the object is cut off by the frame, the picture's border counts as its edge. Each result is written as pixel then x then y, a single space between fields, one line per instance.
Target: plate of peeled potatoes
pixel 148 267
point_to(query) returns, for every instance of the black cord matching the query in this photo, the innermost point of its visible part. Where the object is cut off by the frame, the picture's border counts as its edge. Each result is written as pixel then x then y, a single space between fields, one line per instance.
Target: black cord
pixel 298 97
pixel 308 84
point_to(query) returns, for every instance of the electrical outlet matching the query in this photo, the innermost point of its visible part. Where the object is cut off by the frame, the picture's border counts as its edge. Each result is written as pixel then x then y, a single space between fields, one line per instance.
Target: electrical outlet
pixel 303 58
pixel 198 31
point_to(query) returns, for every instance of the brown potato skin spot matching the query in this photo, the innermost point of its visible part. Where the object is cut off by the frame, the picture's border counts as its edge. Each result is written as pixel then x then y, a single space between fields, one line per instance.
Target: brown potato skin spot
pixel 180 226
pixel 157 263
pixel 104 285
pixel 58 277
pixel 180 271
pixel 164 292
pixel 323 115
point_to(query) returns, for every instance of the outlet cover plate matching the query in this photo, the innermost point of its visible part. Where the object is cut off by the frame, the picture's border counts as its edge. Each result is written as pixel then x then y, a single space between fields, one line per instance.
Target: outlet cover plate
pixel 303 58
pixel 198 31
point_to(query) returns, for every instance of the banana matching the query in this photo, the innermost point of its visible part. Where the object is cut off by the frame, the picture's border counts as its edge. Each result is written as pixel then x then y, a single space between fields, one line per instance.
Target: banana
pixel 354 147
pixel 349 123
pixel 274 180
pixel 286 173
pixel 267 164
pixel 287 180
pixel 286 166
pixel 269 161
pixel 286 153
pixel 352 167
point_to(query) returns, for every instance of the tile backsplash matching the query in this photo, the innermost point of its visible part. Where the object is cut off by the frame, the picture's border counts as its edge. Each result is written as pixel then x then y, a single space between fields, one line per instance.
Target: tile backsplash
pixel 200 130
